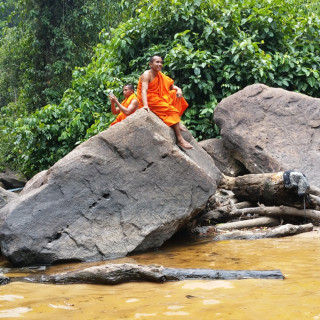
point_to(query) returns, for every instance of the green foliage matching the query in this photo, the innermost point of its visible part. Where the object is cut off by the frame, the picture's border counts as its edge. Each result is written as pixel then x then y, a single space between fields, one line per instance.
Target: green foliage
pixel 54 37
pixel 6 8
pixel 211 48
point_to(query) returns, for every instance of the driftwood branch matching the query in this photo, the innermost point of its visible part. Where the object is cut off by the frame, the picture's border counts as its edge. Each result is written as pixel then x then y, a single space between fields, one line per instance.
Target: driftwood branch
pixel 251 223
pixel 279 211
pixel 281 231
pixel 120 273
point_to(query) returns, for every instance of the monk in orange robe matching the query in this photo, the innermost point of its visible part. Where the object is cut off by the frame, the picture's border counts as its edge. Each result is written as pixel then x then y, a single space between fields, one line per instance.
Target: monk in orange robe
pixel 158 93
pixel 128 106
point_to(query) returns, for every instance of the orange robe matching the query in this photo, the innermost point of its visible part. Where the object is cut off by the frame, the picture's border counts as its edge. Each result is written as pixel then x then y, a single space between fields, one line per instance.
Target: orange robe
pixel 126 102
pixel 162 101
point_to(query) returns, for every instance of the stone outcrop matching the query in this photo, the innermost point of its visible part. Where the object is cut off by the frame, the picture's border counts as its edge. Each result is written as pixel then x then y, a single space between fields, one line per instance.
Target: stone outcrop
pixel 270 130
pixel 128 189
pixel 222 158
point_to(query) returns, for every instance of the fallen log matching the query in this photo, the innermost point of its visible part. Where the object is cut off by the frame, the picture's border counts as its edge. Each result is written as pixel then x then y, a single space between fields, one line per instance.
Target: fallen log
pixel 262 210
pixel 251 223
pixel 267 188
pixel 281 231
pixel 112 274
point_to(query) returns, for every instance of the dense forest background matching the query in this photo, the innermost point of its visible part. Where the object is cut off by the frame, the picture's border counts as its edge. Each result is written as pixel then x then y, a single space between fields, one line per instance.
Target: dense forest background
pixel 59 58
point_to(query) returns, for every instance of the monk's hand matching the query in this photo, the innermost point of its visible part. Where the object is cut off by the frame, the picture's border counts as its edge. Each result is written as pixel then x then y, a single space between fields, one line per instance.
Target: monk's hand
pixel 113 98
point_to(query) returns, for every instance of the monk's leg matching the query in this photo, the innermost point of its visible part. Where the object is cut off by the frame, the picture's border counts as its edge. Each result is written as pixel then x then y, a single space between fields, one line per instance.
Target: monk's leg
pixel 182 127
pixel 180 140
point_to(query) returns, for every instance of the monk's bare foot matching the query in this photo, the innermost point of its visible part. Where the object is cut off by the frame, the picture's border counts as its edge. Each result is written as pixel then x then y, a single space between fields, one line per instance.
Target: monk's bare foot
pixel 182 127
pixel 185 145
pixel 146 108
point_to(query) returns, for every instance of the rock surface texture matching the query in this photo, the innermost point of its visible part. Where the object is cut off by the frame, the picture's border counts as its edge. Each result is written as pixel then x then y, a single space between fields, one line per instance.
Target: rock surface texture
pixel 270 130
pixel 222 158
pixel 128 189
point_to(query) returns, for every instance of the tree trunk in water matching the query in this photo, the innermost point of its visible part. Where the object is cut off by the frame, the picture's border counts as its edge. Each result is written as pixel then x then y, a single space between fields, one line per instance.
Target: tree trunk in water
pixel 120 273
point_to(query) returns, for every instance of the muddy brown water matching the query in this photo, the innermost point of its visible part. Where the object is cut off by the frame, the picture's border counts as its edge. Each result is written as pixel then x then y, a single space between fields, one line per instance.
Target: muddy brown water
pixel 296 297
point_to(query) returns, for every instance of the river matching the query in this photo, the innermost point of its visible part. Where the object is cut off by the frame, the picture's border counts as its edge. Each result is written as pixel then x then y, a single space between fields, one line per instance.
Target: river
pixel 295 297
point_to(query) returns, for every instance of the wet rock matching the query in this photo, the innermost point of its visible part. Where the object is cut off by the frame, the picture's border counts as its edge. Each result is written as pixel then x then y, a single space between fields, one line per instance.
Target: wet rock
pixel 128 189
pixel 270 130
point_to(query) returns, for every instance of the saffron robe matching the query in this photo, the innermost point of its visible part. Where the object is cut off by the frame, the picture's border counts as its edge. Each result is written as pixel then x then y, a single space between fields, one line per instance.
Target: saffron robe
pixel 126 102
pixel 163 101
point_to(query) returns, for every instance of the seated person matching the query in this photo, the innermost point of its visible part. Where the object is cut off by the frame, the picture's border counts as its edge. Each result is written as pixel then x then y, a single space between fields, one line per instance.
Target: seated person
pixel 158 93
pixel 128 106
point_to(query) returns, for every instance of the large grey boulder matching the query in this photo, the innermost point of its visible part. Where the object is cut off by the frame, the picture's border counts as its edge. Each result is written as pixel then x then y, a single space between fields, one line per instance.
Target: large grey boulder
pixel 270 130
pixel 128 189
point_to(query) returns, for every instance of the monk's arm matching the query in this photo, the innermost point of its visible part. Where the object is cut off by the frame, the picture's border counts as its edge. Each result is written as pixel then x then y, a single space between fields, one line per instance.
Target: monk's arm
pixel 144 89
pixel 114 109
pixel 179 91
pixel 131 108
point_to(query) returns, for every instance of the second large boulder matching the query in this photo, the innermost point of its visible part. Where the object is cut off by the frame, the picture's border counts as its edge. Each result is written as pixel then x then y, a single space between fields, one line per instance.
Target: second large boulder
pixel 270 129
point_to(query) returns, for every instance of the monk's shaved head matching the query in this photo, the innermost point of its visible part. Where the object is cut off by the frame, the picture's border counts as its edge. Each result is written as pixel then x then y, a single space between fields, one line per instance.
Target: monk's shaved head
pixel 153 58
pixel 129 86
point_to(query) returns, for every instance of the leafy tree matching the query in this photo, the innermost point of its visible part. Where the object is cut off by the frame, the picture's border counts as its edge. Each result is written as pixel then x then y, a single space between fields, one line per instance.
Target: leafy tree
pixel 54 36
pixel 212 49
pixel 6 8
pixel 8 49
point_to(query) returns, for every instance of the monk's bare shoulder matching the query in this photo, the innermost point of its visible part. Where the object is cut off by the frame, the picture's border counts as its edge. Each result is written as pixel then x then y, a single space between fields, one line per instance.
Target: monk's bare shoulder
pixel 146 76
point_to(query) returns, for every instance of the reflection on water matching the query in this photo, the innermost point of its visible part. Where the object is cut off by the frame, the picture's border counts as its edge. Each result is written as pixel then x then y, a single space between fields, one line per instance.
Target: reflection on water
pixel 208 285
pixel 14 313
pixel 9 297
pixel 296 297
